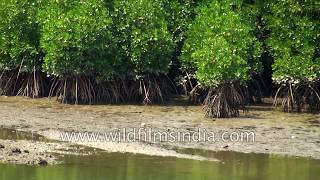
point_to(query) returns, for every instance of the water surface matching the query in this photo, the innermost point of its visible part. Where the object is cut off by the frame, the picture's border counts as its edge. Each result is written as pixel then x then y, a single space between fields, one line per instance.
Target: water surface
pixel 116 166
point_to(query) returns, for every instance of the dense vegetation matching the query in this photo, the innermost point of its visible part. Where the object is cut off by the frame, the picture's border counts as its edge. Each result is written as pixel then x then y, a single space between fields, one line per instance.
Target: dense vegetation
pixel 76 38
pixel 20 53
pixel 120 51
pixel 146 45
pixel 294 44
pixel 220 45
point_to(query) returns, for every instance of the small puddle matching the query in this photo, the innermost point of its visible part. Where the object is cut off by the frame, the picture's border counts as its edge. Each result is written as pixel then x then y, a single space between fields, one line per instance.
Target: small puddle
pixel 11 134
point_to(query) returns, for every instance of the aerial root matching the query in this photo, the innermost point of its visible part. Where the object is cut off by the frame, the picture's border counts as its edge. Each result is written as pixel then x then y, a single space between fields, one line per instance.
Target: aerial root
pixel 29 84
pixel 73 90
pixel 298 97
pixel 224 101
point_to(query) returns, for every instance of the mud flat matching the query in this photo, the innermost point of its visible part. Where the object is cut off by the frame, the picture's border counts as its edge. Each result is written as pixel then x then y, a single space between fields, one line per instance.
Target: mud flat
pixel 275 132
pixel 19 147
pixel 35 152
pixel 25 152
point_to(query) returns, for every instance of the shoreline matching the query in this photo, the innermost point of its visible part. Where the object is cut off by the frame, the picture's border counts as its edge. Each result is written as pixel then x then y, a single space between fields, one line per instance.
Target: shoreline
pixel 275 132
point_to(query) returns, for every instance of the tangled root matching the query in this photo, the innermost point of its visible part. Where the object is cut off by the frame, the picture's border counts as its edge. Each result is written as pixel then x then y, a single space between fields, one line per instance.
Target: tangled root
pixel 155 89
pixel 29 84
pixel 8 81
pixel 192 89
pixel 115 92
pixel 85 90
pixel 81 89
pixel 298 97
pixel 73 90
pixel 33 85
pixel 224 101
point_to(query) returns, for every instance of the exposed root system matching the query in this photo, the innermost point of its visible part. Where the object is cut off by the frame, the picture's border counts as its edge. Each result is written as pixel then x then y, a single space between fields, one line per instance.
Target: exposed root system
pixel 298 97
pixel 33 85
pixel 73 90
pixel 7 82
pixel 29 84
pixel 224 101
pixel 83 90
pixel 155 90
pixel 191 88
pixel 114 92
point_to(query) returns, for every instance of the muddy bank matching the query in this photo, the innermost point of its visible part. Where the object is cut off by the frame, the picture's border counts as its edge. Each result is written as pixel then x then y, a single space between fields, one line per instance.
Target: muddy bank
pixel 26 152
pixel 19 147
pixel 275 132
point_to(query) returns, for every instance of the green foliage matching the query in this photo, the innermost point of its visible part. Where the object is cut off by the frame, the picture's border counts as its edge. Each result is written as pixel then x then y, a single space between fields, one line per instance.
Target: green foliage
pixel 76 38
pixel 179 15
pixel 143 37
pixel 294 40
pixel 220 43
pixel 123 40
pixel 19 41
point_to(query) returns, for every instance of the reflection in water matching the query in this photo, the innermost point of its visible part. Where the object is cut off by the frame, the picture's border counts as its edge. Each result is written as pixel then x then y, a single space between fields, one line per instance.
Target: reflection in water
pixel 116 166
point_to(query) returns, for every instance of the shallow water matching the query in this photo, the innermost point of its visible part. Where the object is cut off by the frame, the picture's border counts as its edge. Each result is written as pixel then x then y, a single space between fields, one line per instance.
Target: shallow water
pixel 115 166
pixel 11 134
